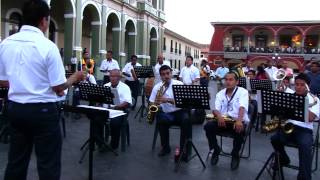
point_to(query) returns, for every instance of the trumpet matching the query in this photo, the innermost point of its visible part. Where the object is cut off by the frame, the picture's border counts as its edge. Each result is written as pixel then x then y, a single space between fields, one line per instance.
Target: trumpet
pixel 227 119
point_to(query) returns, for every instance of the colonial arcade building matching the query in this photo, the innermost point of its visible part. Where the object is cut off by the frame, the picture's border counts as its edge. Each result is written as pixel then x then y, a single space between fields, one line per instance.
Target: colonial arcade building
pixel 295 42
pixel 126 27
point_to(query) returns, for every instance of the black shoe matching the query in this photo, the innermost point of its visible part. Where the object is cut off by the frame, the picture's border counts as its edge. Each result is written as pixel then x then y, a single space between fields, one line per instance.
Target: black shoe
pixel 215 157
pixel 164 151
pixel 235 162
pixel 284 161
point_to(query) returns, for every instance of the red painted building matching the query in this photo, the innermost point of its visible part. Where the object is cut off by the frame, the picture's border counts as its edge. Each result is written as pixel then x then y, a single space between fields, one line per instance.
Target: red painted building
pixel 295 42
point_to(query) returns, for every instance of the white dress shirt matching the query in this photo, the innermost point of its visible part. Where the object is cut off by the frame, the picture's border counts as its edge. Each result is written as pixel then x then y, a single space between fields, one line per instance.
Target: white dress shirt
pixel 157 72
pixel 189 74
pixel 314 109
pixel 271 71
pixel 123 91
pixel 32 64
pixel 108 66
pixel 166 107
pixel 240 99
pixel 222 71
pixel 127 69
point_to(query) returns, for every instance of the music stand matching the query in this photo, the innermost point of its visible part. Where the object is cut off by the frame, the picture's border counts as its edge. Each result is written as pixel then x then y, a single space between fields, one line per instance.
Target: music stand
pixel 285 106
pixel 190 97
pixel 143 72
pixel 243 82
pixel 94 94
pixel 263 84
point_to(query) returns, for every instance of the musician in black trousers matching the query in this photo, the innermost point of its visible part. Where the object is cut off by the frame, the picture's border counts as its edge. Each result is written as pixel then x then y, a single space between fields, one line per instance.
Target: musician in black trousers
pixel 233 102
pixel 131 80
pixel 32 65
pixel 169 114
pixel 125 100
pixel 302 132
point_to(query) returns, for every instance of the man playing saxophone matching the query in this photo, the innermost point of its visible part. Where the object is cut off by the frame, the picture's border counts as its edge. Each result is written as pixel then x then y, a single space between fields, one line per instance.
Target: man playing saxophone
pixel 231 102
pixel 301 134
pixel 168 114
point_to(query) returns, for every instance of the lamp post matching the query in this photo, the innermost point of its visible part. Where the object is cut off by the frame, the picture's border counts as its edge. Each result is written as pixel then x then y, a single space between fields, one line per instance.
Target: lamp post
pixel 276 58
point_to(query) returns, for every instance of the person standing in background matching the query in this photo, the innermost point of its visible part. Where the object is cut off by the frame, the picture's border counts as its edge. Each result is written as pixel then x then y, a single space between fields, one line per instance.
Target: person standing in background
pixel 190 75
pixel 107 65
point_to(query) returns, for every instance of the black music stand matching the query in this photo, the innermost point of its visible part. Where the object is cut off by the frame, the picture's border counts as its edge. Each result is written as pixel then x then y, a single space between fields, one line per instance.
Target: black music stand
pixel 143 72
pixel 4 128
pixel 255 86
pixel 190 97
pixel 94 94
pixel 283 105
pixel 243 82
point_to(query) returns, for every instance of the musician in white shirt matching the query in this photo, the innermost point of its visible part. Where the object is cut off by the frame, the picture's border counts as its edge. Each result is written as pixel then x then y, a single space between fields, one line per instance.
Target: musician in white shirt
pixel 302 133
pixel 131 80
pixel 231 101
pixel 169 114
pixel 107 65
pixel 125 100
pixel 160 63
pixel 189 74
pixel 271 70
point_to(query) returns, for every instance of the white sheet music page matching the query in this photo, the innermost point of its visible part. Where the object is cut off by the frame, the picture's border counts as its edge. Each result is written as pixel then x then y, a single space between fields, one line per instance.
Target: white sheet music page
pixel 112 113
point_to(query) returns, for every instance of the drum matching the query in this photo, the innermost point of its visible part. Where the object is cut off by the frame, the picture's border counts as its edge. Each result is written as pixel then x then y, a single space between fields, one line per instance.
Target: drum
pixel 149 86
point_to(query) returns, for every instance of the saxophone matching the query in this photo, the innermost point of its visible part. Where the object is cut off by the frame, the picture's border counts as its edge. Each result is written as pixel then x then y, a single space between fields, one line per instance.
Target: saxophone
pixel 154 107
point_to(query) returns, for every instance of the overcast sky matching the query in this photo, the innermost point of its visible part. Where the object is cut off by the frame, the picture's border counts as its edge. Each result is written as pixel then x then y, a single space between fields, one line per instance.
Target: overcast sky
pixel 191 18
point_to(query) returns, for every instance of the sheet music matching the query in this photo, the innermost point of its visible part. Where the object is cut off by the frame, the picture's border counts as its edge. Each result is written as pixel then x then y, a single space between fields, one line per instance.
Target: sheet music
pixel 112 113
pixel 116 99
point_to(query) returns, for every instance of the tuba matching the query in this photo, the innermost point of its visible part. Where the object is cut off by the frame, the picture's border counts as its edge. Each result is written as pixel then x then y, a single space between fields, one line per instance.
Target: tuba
pixel 154 107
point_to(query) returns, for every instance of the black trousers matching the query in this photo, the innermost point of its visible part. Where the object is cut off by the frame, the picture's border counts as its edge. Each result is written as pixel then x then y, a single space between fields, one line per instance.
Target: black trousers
pixel 212 130
pixel 134 87
pixel 303 138
pixel 179 118
pixel 115 129
pixel 34 125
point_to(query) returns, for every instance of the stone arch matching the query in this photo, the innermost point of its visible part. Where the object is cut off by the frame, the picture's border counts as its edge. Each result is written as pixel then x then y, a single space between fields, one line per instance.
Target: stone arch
pixel 153 49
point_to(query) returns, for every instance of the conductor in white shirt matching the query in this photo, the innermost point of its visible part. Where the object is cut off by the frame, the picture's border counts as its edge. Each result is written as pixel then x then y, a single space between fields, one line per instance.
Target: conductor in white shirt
pixel 169 114
pixel 131 79
pixel 302 133
pixel 32 65
pixel 189 75
pixel 232 101
pixel 157 67
pixel 107 65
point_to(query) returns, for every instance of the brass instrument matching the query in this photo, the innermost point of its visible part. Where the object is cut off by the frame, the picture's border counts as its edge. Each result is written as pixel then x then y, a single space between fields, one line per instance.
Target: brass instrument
pixel 134 75
pixel 239 70
pixel 154 107
pixel 227 119
pixel 279 76
pixel 287 127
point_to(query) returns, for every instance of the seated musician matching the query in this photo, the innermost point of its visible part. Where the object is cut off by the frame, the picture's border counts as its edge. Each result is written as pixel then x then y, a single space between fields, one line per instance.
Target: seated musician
pixel 169 114
pixel 125 101
pixel 231 101
pixel 302 133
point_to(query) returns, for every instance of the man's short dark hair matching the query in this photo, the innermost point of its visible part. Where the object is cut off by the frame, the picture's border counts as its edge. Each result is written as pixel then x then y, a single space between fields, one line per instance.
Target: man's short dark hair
pixel 252 71
pixel 34 11
pixel 164 67
pixel 315 63
pixel 236 76
pixel 109 51
pixel 303 77
pixel 134 56
pixel 190 57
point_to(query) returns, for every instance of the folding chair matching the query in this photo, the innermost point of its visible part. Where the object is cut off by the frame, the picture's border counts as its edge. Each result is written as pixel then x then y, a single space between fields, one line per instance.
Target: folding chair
pixel 246 136
pixel 315 149
pixel 156 133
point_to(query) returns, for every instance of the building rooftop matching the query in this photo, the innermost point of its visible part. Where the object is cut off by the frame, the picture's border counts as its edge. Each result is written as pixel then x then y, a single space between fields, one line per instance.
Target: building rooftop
pixel 265 22
pixel 182 38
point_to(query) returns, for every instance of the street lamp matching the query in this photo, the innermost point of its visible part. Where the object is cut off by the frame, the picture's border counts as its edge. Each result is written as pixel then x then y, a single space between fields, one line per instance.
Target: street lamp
pixel 276 58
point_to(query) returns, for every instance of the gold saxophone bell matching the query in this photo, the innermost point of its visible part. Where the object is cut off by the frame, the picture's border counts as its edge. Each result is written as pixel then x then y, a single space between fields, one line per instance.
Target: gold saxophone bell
pixel 154 108
pixel 273 125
